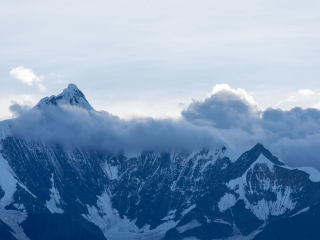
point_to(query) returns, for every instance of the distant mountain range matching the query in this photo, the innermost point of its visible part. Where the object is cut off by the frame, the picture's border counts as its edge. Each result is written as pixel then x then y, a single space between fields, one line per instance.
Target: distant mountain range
pixel 51 192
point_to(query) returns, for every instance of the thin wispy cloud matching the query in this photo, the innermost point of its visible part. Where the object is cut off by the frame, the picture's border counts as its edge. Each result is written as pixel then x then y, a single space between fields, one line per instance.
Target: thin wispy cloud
pixel 57 75
pixel 289 99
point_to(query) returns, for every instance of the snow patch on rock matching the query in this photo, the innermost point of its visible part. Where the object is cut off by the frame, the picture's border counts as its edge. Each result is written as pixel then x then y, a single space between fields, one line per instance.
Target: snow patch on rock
pixel 112 171
pixel 188 209
pixel 116 228
pixel 188 226
pixel 263 208
pixel 314 175
pixel 13 218
pixel 226 202
pixel 19 207
pixel 221 221
pixel 301 211
pixel 171 215
pixel 8 182
pixel 107 218
pixel 263 160
pixel 54 201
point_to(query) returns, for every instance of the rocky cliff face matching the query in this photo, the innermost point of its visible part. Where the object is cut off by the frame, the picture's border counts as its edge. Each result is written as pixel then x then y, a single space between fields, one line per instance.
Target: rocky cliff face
pixel 50 192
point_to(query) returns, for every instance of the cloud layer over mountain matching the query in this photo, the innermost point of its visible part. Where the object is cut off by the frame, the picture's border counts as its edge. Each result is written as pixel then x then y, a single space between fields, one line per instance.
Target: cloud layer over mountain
pixel 76 127
pixel 292 135
pixel 227 116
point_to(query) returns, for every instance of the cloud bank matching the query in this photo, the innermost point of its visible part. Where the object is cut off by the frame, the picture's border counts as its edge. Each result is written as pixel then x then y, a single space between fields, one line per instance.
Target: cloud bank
pixel 77 127
pixel 227 116
pixel 292 135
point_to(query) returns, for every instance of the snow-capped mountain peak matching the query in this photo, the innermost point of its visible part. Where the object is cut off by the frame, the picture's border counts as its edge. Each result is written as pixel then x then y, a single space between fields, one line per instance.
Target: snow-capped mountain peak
pixel 244 162
pixel 260 149
pixel 70 96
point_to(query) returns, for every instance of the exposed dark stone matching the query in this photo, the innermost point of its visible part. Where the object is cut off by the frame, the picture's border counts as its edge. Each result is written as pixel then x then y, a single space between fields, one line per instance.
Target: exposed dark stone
pixel 60 226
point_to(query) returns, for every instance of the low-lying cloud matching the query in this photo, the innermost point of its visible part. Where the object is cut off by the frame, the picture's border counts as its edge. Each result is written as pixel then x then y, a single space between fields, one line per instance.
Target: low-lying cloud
pixel 18 109
pixel 227 116
pixel 76 127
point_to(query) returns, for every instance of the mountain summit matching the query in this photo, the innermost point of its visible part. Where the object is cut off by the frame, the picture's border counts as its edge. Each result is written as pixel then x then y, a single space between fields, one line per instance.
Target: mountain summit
pixel 70 96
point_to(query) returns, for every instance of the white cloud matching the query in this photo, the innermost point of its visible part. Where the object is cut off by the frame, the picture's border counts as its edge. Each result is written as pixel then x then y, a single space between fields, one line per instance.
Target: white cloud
pixel 226 108
pixel 306 92
pixel 27 76
pixel 241 93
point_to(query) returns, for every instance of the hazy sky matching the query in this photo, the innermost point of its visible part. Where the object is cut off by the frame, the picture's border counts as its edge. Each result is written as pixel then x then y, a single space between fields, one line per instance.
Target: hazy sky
pixel 151 58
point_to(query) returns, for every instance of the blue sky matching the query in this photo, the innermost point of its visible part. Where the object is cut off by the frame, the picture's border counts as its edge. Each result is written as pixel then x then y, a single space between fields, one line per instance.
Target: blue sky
pixel 151 58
